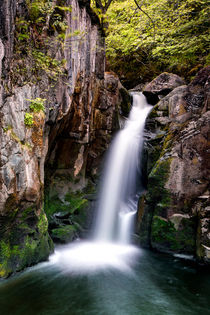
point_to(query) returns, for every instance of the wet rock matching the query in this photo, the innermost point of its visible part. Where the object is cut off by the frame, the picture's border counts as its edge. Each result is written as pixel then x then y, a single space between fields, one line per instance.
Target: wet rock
pixel 125 101
pixel 64 234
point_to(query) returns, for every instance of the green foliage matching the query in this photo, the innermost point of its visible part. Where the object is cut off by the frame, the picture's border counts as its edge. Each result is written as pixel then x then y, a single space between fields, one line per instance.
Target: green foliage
pixel 37 104
pixel 39 8
pixel 162 230
pixel 165 35
pixel 32 41
pixel 28 120
pixel 22 29
pixel 51 66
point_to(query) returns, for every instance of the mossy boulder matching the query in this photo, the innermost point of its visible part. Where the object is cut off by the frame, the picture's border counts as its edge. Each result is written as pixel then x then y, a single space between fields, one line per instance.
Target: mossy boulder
pixel 64 234
pixel 67 217
pixel 24 242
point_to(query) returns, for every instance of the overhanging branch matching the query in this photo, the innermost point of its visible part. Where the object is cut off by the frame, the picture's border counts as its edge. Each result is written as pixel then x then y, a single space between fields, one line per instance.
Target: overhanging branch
pixel 140 8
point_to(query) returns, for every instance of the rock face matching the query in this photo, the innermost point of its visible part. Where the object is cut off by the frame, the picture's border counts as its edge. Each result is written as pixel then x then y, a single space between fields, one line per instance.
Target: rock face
pixel 161 86
pixel 57 113
pixel 174 213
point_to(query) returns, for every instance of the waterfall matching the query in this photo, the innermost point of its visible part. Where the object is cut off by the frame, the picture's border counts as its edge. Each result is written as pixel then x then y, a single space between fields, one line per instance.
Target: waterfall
pixel 118 197
pixel 117 204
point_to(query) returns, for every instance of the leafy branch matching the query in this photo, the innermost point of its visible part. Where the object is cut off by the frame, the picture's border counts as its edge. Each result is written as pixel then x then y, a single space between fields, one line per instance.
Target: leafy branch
pixel 139 6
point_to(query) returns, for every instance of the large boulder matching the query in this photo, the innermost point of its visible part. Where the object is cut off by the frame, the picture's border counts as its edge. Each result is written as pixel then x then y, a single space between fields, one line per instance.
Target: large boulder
pixel 161 86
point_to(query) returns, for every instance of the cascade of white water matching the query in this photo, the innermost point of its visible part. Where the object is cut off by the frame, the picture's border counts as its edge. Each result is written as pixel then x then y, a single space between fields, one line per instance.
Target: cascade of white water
pixel 117 202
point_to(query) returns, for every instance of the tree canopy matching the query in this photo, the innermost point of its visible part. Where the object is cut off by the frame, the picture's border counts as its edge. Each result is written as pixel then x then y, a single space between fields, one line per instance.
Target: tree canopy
pixel 147 37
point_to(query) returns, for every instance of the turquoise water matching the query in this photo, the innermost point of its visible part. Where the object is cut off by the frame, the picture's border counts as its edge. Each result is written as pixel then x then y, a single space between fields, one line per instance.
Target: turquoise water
pixel 157 284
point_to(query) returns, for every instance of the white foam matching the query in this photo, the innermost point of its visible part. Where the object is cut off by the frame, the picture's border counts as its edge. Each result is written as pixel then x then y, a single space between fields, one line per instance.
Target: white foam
pixel 90 257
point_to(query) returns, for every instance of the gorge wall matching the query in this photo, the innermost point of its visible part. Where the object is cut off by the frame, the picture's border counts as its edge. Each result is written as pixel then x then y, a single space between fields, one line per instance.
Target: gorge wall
pixel 58 110
pixel 174 213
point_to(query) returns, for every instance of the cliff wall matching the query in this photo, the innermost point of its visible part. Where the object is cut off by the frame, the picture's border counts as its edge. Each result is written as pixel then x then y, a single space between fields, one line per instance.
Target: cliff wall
pixel 174 213
pixel 57 113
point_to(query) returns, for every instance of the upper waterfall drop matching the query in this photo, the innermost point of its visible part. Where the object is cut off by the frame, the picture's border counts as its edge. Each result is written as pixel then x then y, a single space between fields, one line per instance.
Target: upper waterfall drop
pixel 118 196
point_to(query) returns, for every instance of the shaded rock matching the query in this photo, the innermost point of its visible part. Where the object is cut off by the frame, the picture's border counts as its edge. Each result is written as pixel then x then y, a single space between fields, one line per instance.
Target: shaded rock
pixel 174 217
pixel 161 86
pixel 125 101
pixel 138 88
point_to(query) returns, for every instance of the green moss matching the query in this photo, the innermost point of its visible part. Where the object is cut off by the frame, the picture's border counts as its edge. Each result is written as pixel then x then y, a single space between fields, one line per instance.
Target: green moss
pixel 24 241
pixel 153 113
pixel 164 236
pixel 64 234
pixel 66 217
pixel 158 196
pixel 168 142
pixel 162 230
pixel 43 223
pixel 26 212
pixel 76 202
pixel 186 236
pixel 73 202
pixel 30 251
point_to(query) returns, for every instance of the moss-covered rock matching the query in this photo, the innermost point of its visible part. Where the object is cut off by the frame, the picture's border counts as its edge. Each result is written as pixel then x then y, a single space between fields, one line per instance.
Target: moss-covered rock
pixel 163 233
pixel 166 237
pixel 64 234
pixel 158 195
pixel 25 242
pixel 67 217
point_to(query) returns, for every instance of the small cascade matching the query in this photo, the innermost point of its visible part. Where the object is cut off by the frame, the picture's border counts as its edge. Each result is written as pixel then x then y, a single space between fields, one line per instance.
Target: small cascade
pixel 110 246
pixel 125 219
pixel 118 197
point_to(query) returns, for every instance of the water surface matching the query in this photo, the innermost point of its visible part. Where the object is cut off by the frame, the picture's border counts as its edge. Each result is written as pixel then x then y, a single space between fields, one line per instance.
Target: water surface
pixel 156 284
